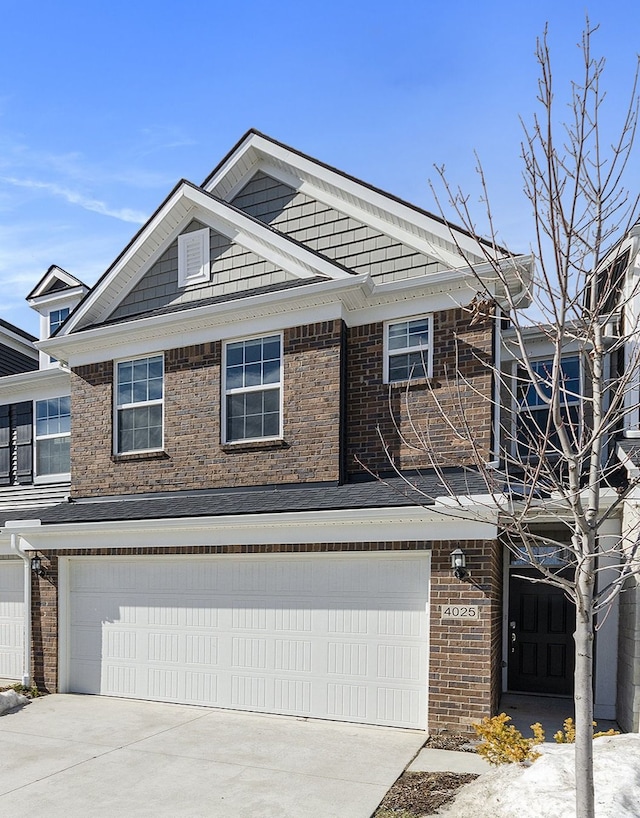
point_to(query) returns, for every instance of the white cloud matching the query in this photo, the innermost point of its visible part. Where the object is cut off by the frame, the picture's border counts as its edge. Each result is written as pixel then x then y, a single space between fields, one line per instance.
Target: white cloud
pixel 73 197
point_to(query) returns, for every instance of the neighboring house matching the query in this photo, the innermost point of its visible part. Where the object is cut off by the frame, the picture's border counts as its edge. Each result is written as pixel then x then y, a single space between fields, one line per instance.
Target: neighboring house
pixel 238 377
pixel 34 442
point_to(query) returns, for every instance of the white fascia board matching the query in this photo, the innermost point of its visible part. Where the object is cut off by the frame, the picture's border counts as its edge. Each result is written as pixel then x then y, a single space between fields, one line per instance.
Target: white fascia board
pixel 57 297
pixel 415 524
pixel 39 384
pixel 201 324
pixel 344 191
pixel 57 273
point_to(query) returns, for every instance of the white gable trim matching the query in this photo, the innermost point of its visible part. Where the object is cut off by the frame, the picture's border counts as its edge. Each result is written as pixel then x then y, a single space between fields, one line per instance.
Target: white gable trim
pixel 352 197
pixel 55 272
pixel 185 204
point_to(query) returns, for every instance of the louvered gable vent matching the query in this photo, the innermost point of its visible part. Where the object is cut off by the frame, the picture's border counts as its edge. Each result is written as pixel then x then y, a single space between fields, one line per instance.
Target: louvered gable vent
pixel 193 257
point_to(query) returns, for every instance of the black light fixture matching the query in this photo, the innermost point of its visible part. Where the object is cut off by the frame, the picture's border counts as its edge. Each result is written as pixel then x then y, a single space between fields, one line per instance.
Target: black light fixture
pixel 36 566
pixel 459 564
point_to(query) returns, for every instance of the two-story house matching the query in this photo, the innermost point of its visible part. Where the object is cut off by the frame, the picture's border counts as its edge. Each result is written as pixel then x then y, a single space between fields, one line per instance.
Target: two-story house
pixel 34 442
pixel 268 344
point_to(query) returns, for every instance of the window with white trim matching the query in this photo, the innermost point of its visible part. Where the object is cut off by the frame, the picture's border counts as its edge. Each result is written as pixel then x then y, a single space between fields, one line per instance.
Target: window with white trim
pixel 193 257
pixel 56 319
pixel 253 389
pixel 139 404
pixel 534 433
pixel 408 349
pixel 52 436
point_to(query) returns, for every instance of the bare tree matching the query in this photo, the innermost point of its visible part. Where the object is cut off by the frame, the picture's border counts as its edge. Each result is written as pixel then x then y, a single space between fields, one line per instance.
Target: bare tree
pixel 556 453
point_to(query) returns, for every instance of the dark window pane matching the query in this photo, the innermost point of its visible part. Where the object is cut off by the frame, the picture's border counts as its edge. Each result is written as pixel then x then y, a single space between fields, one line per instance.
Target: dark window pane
pixel 272 424
pixel 253 375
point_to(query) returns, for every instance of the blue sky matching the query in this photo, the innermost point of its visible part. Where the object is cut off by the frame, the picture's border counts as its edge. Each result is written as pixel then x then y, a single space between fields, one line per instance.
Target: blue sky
pixel 103 107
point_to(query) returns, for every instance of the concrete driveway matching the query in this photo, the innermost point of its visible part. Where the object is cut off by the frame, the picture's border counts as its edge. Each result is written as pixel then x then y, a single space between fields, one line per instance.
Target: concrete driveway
pixel 90 756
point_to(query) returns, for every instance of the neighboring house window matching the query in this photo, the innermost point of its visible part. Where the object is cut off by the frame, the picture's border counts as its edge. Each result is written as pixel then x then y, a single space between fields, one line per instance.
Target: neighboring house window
pixel 139 395
pixel 193 257
pixel 408 349
pixel 53 427
pixel 253 388
pixel 16 443
pixel 56 318
pixel 532 425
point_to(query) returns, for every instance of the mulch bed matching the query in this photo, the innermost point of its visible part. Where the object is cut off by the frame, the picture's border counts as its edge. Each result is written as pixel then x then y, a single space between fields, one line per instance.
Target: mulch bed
pixel 418 794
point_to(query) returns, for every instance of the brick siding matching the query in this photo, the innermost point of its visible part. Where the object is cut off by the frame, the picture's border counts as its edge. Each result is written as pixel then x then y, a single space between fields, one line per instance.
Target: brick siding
pixel 193 456
pixel 416 423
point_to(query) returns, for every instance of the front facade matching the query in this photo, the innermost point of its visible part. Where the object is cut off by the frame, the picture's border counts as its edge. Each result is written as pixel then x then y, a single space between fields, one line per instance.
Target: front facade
pixel 268 346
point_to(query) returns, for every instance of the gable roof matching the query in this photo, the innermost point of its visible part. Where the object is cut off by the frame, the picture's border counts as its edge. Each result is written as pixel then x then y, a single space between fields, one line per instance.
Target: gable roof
pixel 185 203
pixel 428 233
pixel 55 280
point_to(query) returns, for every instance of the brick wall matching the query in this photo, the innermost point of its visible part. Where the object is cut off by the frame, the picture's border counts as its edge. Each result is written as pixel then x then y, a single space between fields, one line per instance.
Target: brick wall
pixel 416 424
pixel 464 656
pixel 193 456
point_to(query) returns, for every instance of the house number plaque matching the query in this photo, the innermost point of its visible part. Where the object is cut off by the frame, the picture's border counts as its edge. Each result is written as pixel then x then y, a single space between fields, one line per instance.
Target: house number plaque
pixel 459 612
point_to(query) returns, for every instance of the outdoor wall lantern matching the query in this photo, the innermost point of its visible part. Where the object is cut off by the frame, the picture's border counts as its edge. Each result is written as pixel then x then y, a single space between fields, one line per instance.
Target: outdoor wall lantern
pixel 459 564
pixel 36 566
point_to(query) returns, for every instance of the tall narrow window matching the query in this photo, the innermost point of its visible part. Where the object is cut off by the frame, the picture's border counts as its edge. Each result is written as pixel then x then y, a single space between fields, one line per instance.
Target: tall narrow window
pixel 53 427
pixel 535 435
pixel 408 349
pixel 253 386
pixel 139 396
pixel 56 318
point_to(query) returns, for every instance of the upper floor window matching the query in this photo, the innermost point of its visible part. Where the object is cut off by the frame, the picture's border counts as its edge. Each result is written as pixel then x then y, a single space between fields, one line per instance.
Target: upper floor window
pixel 56 317
pixel 535 434
pixel 53 428
pixel 139 398
pixel 193 257
pixel 253 389
pixel 408 349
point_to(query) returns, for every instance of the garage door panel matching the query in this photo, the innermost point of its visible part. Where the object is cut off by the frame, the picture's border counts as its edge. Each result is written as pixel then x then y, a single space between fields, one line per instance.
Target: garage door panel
pixel 309 649
pixel 11 618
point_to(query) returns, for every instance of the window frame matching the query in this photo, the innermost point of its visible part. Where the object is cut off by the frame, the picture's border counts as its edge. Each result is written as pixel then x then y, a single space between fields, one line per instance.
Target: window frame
pixel 226 392
pixel 117 407
pixel 427 350
pixel 202 237
pixel 50 477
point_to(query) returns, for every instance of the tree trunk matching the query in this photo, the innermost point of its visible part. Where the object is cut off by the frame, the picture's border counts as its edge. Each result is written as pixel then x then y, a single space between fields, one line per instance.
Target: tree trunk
pixel 583 699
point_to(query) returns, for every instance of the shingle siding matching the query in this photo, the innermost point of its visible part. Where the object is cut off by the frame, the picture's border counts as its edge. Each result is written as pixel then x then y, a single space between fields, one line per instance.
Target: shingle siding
pixel 337 236
pixel 233 270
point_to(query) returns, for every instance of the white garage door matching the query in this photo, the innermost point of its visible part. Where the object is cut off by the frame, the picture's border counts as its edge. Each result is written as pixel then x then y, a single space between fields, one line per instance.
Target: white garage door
pixel 327 636
pixel 11 618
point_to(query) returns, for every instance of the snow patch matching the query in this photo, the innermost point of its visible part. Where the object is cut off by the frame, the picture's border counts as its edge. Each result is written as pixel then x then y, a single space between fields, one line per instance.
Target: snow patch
pixel 9 700
pixel 546 789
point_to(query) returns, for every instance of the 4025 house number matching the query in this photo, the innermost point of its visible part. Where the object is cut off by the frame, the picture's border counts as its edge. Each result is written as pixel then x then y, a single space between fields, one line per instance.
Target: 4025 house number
pixel 459 612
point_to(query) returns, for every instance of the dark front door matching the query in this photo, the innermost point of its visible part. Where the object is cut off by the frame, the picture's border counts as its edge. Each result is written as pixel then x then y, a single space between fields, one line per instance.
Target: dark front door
pixel 541 647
